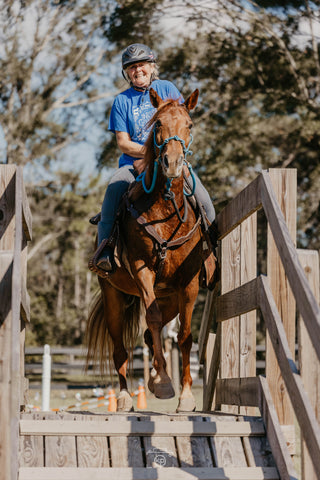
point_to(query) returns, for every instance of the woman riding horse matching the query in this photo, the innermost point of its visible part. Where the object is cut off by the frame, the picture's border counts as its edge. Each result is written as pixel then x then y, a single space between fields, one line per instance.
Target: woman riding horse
pixel 161 253
pixel 130 114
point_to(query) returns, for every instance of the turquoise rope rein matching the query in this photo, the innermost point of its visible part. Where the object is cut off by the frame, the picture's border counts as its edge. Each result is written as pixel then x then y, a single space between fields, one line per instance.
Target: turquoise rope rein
pixel 186 151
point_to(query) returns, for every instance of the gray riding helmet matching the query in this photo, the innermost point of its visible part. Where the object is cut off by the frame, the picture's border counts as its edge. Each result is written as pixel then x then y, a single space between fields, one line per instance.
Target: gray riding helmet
pixel 137 52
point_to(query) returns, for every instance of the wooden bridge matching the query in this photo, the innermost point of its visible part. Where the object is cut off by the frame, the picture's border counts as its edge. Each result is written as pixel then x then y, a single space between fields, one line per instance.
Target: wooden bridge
pixel 246 430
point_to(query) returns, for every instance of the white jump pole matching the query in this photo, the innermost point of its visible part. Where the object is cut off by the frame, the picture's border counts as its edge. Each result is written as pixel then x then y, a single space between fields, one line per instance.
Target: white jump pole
pixel 46 378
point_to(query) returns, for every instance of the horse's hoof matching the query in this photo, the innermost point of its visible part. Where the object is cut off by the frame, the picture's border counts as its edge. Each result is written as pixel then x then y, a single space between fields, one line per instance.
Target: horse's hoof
pixel 163 390
pixel 151 384
pixel 125 403
pixel 186 405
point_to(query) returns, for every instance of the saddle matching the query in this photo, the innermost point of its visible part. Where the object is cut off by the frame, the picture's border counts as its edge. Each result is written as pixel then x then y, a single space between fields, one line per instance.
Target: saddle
pixel 130 202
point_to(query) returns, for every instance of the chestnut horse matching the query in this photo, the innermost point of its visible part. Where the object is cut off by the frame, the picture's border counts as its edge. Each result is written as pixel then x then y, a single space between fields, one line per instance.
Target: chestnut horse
pixel 160 261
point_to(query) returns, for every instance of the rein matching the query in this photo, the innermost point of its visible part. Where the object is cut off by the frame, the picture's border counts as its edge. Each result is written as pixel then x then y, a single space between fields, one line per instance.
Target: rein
pixel 186 151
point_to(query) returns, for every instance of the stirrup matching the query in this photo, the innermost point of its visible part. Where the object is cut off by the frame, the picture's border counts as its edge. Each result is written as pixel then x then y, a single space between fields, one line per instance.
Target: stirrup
pixel 96 263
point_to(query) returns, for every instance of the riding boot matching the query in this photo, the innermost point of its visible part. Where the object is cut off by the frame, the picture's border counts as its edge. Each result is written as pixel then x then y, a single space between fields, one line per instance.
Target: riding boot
pixel 102 261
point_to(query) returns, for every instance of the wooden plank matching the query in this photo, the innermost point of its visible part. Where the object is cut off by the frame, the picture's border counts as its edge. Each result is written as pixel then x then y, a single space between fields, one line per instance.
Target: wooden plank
pixel 227 451
pixel 26 214
pixel 7 206
pixel 238 391
pixel 275 436
pixel 155 426
pixel 248 320
pixel 306 303
pixel 16 325
pixel 284 183
pixel 60 451
pixel 228 473
pixel 161 451
pixel 6 264
pixel 31 451
pixel 193 451
pixel 257 449
pixel 300 402
pixel 92 451
pixel 240 207
pixel 124 451
pixel 206 322
pixel 230 330
pixel 308 361
pixel 206 370
pixel 239 301
pixel 31 448
pixel 212 368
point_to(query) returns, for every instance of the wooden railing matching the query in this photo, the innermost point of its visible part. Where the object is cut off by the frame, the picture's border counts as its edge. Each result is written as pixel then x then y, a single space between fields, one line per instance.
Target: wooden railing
pixel 229 354
pixel 15 231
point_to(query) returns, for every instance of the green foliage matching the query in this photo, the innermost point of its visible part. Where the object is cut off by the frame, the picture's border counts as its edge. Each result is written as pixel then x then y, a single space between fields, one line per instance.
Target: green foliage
pixel 59 283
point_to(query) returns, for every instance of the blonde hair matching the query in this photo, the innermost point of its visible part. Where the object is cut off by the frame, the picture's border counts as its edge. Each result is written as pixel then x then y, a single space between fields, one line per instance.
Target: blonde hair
pixel 154 74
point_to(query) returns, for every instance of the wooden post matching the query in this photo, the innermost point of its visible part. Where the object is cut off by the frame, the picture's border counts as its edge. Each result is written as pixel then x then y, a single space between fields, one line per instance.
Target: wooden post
pixel 230 329
pixel 284 182
pixel 238 335
pixel 308 360
pixel 15 230
pixel 248 321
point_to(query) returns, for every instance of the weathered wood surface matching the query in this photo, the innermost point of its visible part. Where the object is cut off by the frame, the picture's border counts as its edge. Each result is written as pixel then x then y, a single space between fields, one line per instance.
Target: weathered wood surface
pixel 284 183
pixel 306 303
pixel 14 309
pixel 275 435
pixel 240 207
pixel 125 451
pixel 153 426
pixel 228 473
pixel 300 402
pixel 212 448
pixel 230 279
pixel 309 364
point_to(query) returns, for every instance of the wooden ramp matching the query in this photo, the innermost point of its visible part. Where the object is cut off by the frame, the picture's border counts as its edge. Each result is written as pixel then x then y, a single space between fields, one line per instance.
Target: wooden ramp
pixel 74 446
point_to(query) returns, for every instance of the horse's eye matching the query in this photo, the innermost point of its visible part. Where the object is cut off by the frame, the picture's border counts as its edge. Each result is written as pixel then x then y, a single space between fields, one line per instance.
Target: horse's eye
pixel 190 126
pixel 158 124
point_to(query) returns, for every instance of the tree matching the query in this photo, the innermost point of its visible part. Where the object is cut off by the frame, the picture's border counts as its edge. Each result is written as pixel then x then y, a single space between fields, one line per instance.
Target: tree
pixel 50 62
pixel 257 66
pixel 59 282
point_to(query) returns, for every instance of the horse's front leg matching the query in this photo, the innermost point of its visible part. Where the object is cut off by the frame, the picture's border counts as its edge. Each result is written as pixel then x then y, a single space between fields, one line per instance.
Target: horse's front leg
pixel 159 383
pixel 187 299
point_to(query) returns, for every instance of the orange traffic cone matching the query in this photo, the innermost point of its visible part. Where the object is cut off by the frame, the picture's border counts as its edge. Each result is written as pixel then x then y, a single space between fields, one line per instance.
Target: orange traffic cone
pixel 141 401
pixel 112 407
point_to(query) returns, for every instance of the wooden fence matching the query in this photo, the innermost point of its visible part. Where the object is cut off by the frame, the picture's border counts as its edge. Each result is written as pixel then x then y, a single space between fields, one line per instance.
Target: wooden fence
pixel 229 354
pixel 15 231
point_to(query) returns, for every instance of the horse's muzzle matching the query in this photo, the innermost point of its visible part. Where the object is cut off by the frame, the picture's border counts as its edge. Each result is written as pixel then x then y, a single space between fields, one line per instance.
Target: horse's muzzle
pixel 172 168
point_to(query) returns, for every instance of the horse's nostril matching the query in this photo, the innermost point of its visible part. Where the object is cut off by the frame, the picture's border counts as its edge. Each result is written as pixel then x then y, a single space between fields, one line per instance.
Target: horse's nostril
pixel 165 160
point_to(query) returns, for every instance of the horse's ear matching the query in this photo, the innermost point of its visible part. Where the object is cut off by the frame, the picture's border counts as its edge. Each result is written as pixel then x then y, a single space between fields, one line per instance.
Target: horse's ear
pixel 156 101
pixel 191 101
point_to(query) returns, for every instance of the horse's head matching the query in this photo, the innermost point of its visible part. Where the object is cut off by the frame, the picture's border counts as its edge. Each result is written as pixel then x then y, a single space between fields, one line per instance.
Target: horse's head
pixel 172 136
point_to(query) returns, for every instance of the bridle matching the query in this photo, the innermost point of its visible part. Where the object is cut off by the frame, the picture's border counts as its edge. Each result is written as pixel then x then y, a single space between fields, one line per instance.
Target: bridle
pixel 158 159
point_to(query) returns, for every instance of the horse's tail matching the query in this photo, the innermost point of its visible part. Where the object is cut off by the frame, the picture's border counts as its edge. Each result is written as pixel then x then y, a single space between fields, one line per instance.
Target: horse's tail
pixel 97 339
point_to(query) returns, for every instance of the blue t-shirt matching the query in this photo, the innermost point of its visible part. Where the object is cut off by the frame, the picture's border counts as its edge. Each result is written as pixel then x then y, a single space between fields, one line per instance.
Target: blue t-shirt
pixel 131 111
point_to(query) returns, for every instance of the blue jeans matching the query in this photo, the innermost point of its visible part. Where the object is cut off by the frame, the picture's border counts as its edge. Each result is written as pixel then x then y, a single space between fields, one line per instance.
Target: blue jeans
pixel 119 184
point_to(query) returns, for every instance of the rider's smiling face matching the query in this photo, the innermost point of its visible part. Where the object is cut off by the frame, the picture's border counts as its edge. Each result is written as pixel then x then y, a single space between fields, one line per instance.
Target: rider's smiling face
pixel 140 74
